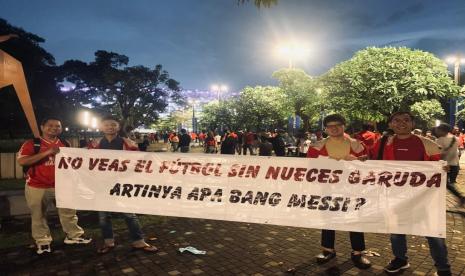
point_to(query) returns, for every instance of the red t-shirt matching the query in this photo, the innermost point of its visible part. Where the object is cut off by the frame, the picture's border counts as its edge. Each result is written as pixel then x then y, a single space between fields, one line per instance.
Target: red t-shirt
pixel 249 138
pixel 410 149
pixel 368 138
pixel 42 174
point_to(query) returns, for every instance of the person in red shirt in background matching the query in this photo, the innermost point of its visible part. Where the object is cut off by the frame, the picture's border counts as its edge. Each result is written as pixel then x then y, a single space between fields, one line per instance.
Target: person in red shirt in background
pixel 367 136
pixel 249 140
pixel 404 145
pixel 40 187
pixel 460 138
pixel 339 146
pixel 202 137
pixel 193 137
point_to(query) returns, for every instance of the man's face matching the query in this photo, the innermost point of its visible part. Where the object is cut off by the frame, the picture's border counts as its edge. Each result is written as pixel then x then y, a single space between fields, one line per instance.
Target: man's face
pixel 401 124
pixel 455 130
pixel 51 128
pixel 110 127
pixel 334 129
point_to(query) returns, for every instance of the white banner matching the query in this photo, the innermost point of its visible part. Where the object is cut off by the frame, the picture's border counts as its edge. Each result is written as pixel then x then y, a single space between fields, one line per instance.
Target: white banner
pixel 372 196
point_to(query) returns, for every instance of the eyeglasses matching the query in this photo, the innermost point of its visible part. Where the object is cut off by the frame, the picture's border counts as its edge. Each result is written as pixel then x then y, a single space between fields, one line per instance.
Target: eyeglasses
pixel 334 125
pixel 401 120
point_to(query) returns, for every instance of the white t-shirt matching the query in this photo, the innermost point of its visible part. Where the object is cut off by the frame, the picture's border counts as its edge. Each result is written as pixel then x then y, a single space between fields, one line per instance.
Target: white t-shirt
pixel 449 153
pixel 304 145
pixel 218 138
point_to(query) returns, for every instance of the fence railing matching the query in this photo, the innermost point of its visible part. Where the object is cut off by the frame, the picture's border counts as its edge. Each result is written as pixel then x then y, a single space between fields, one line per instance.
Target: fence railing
pixel 9 168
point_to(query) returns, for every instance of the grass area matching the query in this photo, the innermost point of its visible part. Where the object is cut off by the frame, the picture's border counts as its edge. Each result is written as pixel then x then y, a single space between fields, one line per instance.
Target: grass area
pixel 11 184
pixel 18 236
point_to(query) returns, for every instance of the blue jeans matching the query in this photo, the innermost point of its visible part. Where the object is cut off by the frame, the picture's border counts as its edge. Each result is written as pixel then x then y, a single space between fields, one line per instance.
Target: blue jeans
pixel 437 248
pixel 132 222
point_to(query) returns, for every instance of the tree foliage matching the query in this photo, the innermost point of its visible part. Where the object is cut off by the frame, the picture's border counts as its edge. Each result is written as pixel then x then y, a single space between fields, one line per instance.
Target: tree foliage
pixel 217 115
pixel 301 94
pixel 262 107
pixel 378 81
pixel 256 108
pixel 427 110
pixel 137 94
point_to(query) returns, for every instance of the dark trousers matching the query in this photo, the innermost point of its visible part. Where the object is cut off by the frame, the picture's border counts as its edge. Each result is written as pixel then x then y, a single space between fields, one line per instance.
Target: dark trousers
pixel 452 174
pixel 250 147
pixel 451 181
pixel 357 240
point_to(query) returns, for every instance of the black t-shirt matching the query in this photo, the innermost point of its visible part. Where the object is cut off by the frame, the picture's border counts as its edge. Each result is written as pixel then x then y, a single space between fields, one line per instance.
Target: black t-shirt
pixel 115 144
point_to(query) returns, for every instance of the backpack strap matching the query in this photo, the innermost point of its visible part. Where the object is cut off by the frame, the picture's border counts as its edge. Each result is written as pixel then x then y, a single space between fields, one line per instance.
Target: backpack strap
pixel 36 146
pixel 36 142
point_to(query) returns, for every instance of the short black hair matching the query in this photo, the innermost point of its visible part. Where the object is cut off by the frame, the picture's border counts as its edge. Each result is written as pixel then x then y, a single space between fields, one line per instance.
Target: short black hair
pixel 110 118
pixel 46 119
pixel 367 127
pixel 444 127
pixel 401 113
pixel 334 118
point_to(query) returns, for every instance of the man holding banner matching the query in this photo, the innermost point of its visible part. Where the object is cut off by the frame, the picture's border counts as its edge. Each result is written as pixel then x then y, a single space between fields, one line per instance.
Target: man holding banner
pixel 340 147
pixel 38 157
pixel 409 147
pixel 112 141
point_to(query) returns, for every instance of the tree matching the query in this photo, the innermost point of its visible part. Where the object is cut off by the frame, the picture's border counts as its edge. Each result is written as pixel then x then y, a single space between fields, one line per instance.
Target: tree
pixel 137 94
pixel 256 108
pixel 40 71
pixel 301 94
pixel 378 81
pixel 173 120
pixel 426 111
pixel 218 115
pixel 262 107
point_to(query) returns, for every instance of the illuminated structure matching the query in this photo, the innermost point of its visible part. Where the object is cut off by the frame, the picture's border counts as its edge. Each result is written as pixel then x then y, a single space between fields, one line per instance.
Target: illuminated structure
pixel 12 73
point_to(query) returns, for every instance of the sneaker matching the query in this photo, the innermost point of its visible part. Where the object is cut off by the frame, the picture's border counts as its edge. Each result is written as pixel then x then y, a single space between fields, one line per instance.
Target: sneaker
pixel 78 240
pixel 42 248
pixel 396 265
pixel 325 256
pixel 360 261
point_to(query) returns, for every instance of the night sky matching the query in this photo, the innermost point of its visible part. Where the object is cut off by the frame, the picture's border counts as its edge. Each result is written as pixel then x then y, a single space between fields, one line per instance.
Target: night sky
pixel 201 42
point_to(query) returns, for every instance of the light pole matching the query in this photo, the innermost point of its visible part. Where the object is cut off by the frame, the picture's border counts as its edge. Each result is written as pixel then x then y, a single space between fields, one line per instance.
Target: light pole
pixel 219 88
pixel 89 122
pixel 456 60
pixel 292 52
pixel 194 120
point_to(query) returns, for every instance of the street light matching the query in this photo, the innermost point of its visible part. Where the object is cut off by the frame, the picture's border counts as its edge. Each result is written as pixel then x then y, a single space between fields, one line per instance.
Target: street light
pixel 194 121
pixel 86 118
pixel 94 123
pixel 219 88
pixel 293 51
pixel 456 60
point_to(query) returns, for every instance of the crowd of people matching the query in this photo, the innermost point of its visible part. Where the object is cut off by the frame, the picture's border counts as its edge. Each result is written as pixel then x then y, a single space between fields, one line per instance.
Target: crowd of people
pixel 400 142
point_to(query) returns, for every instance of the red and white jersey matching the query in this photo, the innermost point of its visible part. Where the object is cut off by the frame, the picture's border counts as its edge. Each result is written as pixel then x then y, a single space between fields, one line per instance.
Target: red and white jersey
pixel 41 174
pixel 413 148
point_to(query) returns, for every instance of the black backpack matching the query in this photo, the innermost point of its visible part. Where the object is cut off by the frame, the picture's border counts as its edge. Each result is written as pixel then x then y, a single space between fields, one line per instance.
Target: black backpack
pixel 36 142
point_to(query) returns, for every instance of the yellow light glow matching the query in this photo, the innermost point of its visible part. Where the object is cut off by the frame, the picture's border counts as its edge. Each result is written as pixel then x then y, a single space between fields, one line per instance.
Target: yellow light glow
pixel 86 118
pixel 94 122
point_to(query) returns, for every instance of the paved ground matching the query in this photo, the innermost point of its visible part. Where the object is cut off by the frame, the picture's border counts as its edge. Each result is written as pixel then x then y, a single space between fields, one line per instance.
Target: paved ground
pixel 231 249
